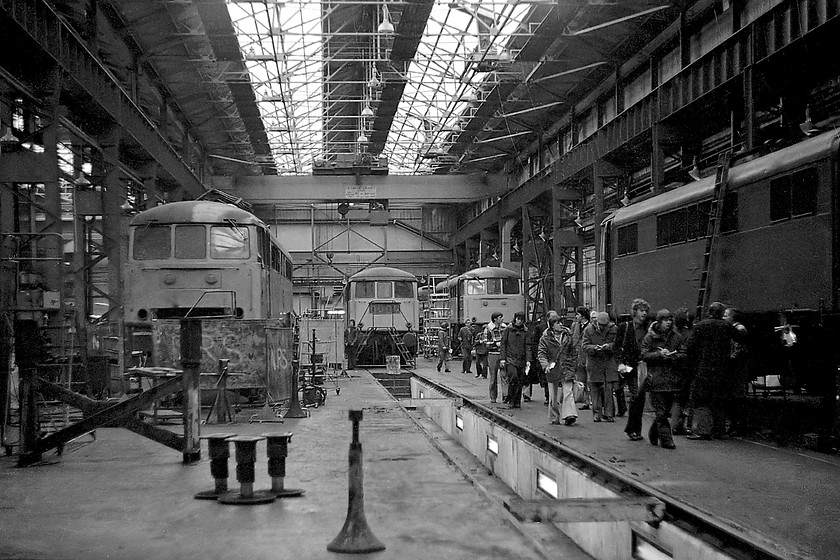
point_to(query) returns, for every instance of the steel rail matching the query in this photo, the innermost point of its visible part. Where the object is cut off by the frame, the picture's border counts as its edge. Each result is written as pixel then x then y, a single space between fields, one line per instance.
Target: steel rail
pixel 685 516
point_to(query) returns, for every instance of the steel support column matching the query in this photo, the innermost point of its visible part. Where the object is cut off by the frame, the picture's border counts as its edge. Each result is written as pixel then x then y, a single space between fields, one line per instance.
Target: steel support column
pixel 39 20
pixel 505 230
pixel 598 217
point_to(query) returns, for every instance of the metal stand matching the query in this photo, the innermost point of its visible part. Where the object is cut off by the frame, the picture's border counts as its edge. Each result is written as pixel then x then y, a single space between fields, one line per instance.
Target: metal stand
pixel 246 456
pixel 355 537
pixel 219 451
pixel 278 449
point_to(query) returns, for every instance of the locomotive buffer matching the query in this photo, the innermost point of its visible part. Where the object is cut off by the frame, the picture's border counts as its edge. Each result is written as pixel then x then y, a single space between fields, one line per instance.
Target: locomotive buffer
pixel 713 230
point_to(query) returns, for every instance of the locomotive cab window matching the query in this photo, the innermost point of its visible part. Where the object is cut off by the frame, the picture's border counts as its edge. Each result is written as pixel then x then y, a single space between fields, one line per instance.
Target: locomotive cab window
pixel 404 290
pixel 190 242
pixel 151 243
pixel 510 286
pixel 229 243
pixel 365 290
pixel 627 238
pixel 384 289
pixel 475 287
pixel 794 195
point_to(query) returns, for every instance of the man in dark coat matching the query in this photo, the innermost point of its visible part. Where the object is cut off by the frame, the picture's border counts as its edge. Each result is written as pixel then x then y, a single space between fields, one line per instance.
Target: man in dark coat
pixel 582 320
pixel 465 336
pixel 537 373
pixel 351 341
pixel 708 353
pixel 601 368
pixel 629 338
pixel 663 352
pixel 514 355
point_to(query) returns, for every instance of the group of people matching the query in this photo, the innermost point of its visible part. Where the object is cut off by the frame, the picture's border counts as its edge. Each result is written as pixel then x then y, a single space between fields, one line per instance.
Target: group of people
pixel 693 374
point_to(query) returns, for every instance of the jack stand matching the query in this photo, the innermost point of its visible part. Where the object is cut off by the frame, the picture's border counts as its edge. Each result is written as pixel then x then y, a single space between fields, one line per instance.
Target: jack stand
pixel 278 449
pixel 246 456
pixel 219 451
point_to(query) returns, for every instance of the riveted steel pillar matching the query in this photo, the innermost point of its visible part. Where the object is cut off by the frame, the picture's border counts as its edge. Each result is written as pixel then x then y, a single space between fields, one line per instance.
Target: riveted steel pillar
pixel 190 362
pixel 505 230
pixel 27 351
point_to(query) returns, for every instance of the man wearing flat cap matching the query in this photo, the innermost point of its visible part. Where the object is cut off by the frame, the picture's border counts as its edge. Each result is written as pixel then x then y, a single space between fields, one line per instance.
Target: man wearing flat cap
pixel 601 369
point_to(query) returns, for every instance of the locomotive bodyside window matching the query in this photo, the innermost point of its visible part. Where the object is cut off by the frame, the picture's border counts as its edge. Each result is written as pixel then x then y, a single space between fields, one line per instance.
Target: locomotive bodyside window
pixel 663 230
pixel 627 238
pixel 152 242
pixel 229 242
pixel 365 290
pixel 780 198
pixel 289 267
pixel 729 216
pixel 678 226
pixel 276 259
pixel 190 242
pixel 404 290
pixel 510 286
pixel 804 192
pixel 703 210
pixel 692 227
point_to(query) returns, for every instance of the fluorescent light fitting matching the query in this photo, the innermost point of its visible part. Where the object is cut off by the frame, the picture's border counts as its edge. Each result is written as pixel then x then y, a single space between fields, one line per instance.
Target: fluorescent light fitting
pixel 459 422
pixel 547 484
pixel 643 549
pixel 492 445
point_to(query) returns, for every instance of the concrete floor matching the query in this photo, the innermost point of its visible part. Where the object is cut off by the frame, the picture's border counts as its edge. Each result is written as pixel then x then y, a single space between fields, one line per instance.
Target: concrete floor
pixel 784 496
pixel 123 496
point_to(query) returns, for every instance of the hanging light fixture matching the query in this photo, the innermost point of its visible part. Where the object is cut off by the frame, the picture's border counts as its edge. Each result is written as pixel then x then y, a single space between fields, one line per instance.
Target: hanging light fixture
pixel 367 112
pixel 386 26
pixel 82 181
pixel 9 140
pixel 362 139
pixel 694 172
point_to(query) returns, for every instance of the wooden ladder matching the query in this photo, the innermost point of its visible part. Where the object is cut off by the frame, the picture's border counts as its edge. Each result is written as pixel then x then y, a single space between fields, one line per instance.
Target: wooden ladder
pixel 713 230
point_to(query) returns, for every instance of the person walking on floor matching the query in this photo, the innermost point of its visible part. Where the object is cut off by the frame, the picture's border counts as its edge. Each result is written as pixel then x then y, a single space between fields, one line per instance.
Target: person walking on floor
pixel 444 345
pixel 663 352
pixel 537 373
pixel 580 324
pixel 465 337
pixel 558 357
pixel 493 335
pixel 514 355
pixel 481 350
pixel 601 369
pixel 629 338
pixel 351 341
pixel 680 420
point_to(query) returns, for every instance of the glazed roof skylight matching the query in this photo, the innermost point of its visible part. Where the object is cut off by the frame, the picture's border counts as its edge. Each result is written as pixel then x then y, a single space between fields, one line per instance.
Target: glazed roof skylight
pixel 298 52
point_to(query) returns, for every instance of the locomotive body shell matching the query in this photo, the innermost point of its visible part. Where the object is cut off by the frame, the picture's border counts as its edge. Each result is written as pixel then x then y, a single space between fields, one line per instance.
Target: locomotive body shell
pixel 762 264
pixel 211 257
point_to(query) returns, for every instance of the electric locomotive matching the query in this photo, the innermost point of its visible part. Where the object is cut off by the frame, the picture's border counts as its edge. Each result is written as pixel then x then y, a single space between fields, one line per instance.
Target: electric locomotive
pixel 383 301
pixel 204 259
pixel 777 258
